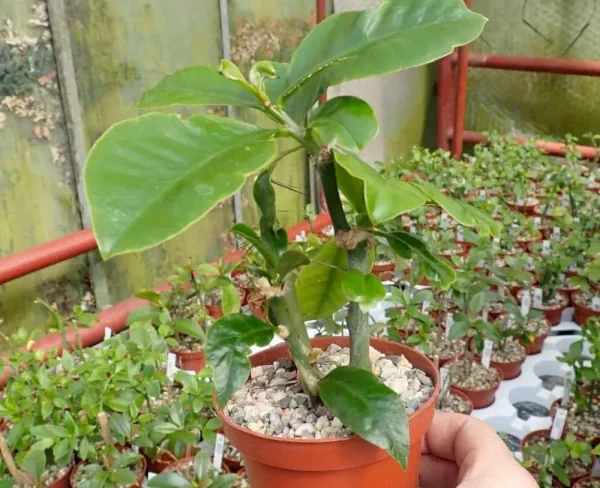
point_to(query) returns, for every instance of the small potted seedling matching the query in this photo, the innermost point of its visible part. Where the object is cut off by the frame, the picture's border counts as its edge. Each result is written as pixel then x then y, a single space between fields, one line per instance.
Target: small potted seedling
pixel 193 472
pixel 568 459
pixel 109 466
pixel 385 262
pixel 587 300
pixel 452 399
pixel 532 326
pixel 404 318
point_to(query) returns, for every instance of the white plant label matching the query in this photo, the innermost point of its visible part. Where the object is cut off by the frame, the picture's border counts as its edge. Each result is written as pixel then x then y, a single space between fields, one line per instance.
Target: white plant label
pixel 576 220
pixel 419 348
pixel 537 222
pixel 449 323
pixel 218 455
pixel 525 303
pixel 59 366
pixel 562 278
pixel 537 297
pixel 459 235
pixel 569 377
pixel 520 201
pixel 301 237
pixel 545 248
pixel 425 306
pixel 246 310
pixel 596 304
pixel 482 194
pixel 486 355
pixel 497 241
pixel 481 263
pixel 444 219
pixel 107 333
pixel 413 229
pixel 556 233
pixel 485 312
pixel 444 377
pixel 510 322
pixel 171 360
pixel 558 426
pixel 501 291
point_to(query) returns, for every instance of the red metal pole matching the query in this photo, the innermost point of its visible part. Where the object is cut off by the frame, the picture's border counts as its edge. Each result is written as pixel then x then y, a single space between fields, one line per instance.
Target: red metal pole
pixel 461 98
pixel 444 102
pixel 40 257
pixel 537 65
pixel 552 148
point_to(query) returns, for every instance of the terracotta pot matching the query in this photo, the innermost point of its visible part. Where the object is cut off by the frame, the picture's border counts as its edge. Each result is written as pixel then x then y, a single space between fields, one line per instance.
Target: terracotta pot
pixel 215 311
pixel 582 313
pixel 579 482
pixel 546 433
pixel 139 484
pixel 385 270
pixel 331 463
pixel 173 464
pixel 234 465
pixel 593 441
pixel 537 346
pixel 190 361
pixel 569 292
pixel 554 314
pixel 166 459
pixel 463 395
pixel 64 482
pixel 509 371
pixel 527 209
pixel 526 243
pixel 482 398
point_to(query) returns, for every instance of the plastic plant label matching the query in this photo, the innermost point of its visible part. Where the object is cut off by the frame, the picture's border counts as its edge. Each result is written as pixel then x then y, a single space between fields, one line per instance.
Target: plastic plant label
pixel 444 377
pixel 501 291
pixel 218 455
pixel 520 201
pixel 562 278
pixel 576 220
pixel 569 377
pixel 537 222
pixel 246 310
pixel 525 303
pixel 530 261
pixel 171 359
pixel 481 263
pixel 596 304
pixel 449 323
pixel 556 233
pixel 151 475
pixel 301 237
pixel 444 219
pixel 537 297
pixel 510 322
pixel 425 306
pixel 413 229
pixel 496 241
pixel 485 312
pixel 558 425
pixel 545 248
pixel 420 349
pixel 482 194
pixel 59 366
pixel 107 333
pixel 486 355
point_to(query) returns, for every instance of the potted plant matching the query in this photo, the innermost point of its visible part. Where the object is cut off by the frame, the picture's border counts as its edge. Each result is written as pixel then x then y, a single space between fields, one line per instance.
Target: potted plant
pixel 587 300
pixel 453 400
pixel 532 328
pixel 214 157
pixel 193 472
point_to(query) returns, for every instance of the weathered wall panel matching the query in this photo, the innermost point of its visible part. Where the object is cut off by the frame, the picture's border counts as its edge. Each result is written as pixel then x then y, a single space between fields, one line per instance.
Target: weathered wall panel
pixel 37 199
pixel 120 49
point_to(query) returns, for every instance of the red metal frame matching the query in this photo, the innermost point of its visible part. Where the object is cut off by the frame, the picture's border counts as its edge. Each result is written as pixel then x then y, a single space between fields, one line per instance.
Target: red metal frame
pixel 452 94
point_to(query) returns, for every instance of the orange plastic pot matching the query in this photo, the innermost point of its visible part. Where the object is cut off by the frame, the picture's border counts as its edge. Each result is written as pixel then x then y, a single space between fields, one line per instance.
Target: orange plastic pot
pixel 385 271
pixel 509 371
pixel 582 313
pixel 579 483
pixel 552 314
pixel 482 398
pixel 332 463
pixel 173 464
pixel 64 482
pixel 140 480
pixel 463 395
pixel 215 311
pixel 166 459
pixel 190 361
pixel 537 346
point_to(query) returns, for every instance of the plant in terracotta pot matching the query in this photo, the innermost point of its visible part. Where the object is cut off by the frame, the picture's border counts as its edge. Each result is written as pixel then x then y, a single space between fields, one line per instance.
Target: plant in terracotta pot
pixel 531 326
pixel 453 400
pixel 587 300
pixel 171 172
pixel 196 472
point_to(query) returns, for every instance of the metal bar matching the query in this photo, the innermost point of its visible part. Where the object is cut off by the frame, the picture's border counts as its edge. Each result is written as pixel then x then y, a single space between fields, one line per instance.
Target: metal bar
pixel 552 148
pixel 536 65
pixel 444 102
pixel 40 257
pixel 461 101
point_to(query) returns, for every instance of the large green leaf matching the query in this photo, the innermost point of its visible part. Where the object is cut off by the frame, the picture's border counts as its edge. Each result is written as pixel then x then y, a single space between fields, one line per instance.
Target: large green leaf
pixel 383 199
pixel 149 178
pixel 319 285
pixel 364 289
pixel 399 34
pixel 169 480
pixel 227 348
pixel 463 213
pixel 261 246
pixel 369 409
pixel 196 85
pixel 347 122
pixel 405 245
pixel 264 195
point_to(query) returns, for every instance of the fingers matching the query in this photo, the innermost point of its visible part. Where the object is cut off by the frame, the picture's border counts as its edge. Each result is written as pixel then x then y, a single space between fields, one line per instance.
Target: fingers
pixel 438 473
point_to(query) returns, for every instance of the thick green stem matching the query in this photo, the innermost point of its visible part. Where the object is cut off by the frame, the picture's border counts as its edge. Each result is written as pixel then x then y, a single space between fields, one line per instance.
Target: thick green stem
pixel 287 312
pixel 358 259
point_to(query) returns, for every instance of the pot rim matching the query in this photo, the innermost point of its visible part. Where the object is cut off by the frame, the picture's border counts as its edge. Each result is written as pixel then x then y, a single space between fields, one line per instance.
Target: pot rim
pixel 353 437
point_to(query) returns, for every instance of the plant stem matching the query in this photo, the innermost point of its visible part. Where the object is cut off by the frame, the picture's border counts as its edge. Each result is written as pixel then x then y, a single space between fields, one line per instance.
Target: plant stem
pixel 20 477
pixel 287 312
pixel 326 170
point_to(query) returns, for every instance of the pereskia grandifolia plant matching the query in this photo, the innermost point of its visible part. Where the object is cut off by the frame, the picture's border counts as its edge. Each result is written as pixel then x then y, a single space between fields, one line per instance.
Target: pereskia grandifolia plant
pixel 149 178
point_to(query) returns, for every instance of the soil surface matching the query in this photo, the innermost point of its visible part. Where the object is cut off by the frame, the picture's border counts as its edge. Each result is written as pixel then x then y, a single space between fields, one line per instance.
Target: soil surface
pixel 589 483
pixel 574 467
pixel 83 476
pixel 447 349
pixel 456 404
pixel 51 475
pixel 481 378
pixel 186 344
pixel 512 352
pixel 272 402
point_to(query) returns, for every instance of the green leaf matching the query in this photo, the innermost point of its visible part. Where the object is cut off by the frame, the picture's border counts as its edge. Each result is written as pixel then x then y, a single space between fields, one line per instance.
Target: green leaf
pixel 253 238
pixel 231 300
pixel 369 409
pixel 491 332
pixel 127 458
pixel 289 261
pixel 382 199
pixel 405 245
pixel 34 463
pixel 367 290
pixel 169 480
pixel 272 235
pixel 143 314
pixel 399 34
pixel 459 330
pixel 189 328
pixel 224 481
pixel 48 431
pixel 476 303
pixel 227 349
pixel 164 428
pixel 197 85
pixel 119 424
pixel 319 285
pixel 345 121
pixel 124 477
pixel 42 445
pixel 149 178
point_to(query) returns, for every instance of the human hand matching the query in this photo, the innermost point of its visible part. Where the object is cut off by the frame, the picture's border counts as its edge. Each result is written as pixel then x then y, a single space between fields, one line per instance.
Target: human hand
pixel 463 452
